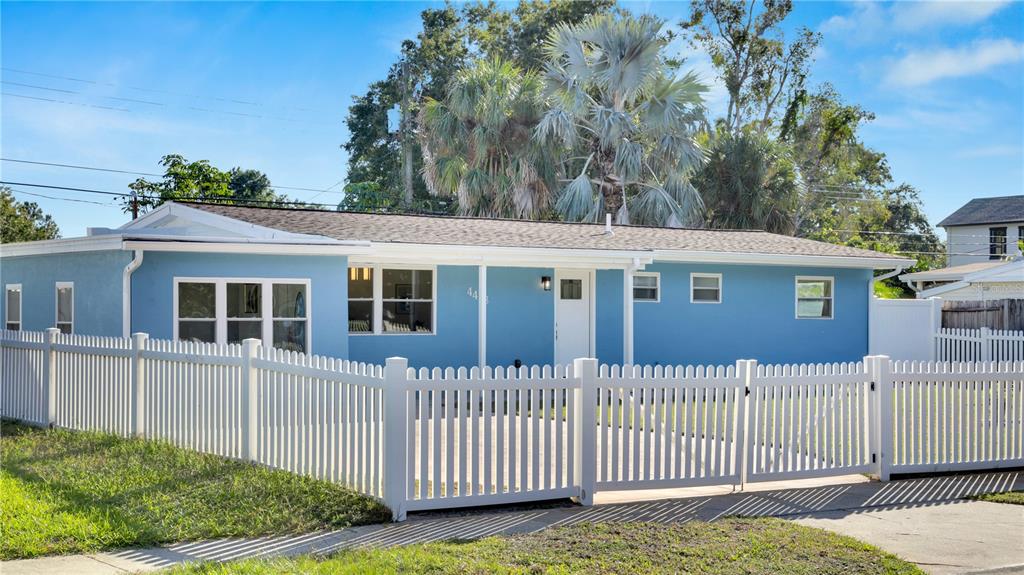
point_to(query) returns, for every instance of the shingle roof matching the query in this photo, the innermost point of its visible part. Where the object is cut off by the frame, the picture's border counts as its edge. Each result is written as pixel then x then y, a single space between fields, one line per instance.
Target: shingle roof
pixel 449 230
pixel 988 211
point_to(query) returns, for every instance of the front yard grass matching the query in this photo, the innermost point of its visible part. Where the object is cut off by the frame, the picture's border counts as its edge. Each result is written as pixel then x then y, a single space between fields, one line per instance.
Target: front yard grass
pixel 729 546
pixel 70 492
pixel 1013 497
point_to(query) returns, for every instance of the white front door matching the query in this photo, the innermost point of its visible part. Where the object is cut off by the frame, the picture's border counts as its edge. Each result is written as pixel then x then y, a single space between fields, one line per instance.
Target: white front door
pixel 572 315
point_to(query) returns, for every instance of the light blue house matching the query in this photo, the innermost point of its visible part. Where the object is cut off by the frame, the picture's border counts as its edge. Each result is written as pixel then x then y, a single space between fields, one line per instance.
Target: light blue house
pixel 446 291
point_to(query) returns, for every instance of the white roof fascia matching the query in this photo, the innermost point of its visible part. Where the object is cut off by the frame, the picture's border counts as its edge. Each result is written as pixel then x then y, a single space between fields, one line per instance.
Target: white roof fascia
pixel 246 246
pixel 499 255
pixel 779 259
pixel 939 290
pixel 63 245
pixel 205 218
pixel 995 271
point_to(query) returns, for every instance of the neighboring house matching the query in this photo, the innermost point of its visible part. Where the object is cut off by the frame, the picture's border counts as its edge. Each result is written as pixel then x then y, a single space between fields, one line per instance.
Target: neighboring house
pixel 983 243
pixel 446 291
pixel 984 229
pixel 971 282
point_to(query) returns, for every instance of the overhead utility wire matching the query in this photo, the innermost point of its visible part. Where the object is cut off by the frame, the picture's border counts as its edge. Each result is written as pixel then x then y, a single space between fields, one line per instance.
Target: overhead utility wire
pixel 116 171
pixel 204 200
pixel 17 191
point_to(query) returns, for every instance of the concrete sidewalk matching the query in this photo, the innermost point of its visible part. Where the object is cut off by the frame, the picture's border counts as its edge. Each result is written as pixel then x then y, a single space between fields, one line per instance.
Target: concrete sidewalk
pixel 925 520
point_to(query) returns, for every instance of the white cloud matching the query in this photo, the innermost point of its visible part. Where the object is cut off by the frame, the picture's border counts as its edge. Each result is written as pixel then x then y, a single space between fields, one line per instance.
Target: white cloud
pixel 922 67
pixel 919 15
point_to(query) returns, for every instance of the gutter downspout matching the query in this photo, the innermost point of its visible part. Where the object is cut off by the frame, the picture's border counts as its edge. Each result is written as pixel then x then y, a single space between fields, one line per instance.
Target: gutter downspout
pixel 126 293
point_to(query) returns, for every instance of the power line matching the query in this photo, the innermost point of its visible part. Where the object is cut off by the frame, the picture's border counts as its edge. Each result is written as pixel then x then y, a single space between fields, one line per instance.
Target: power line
pixel 62 199
pixel 159 91
pixel 130 172
pixel 38 98
pixel 211 200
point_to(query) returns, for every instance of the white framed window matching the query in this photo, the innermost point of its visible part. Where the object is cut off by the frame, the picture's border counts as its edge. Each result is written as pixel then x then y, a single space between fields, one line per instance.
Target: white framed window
pixel 65 304
pixel 229 310
pixel 392 299
pixel 647 286
pixel 814 297
pixel 12 307
pixel 705 288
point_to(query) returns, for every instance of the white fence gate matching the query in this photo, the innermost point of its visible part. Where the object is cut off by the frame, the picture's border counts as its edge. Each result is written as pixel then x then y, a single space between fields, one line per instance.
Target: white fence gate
pixel 432 439
pixel 953 344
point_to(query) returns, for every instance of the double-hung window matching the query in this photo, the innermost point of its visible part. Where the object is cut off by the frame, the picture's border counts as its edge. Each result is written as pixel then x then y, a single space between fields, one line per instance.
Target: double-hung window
pixel 229 311
pixel 646 287
pixel 814 297
pixel 12 307
pixel 996 243
pixel 65 320
pixel 705 288
pixel 390 300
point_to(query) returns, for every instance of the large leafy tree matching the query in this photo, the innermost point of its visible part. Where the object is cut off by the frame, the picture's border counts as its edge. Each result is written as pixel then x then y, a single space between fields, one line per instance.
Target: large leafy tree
pixel 628 124
pixel 750 182
pixel 478 144
pixel 199 181
pixel 451 38
pixel 24 221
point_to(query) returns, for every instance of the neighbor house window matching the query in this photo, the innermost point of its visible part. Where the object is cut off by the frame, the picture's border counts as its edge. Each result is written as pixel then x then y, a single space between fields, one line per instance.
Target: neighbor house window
pixel 230 311
pixel 646 287
pixel 996 243
pixel 360 300
pixel 705 288
pixel 814 297
pixel 65 320
pixel 390 300
pixel 12 307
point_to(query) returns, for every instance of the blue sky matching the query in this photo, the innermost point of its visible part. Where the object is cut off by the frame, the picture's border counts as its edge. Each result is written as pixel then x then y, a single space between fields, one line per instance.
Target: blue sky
pixel 266 86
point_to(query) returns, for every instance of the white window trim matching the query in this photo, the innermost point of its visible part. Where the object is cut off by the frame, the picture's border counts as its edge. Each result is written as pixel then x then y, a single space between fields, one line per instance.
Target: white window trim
pixel 56 304
pixel 657 286
pixel 266 305
pixel 796 295
pixel 721 287
pixel 378 299
pixel 21 307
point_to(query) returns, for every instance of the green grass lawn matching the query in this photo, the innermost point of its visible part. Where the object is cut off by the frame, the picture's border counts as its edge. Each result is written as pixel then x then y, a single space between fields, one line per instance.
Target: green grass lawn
pixel 69 492
pixel 730 546
pixel 1014 497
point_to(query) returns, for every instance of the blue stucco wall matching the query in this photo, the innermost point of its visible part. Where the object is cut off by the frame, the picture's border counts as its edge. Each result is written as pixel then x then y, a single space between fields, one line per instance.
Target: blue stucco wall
pixel 454 341
pixel 153 290
pixel 756 319
pixel 520 317
pixel 97 294
pixel 609 310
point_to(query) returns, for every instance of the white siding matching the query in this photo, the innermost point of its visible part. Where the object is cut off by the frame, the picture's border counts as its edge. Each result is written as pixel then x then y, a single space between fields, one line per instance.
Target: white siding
pixel 987 291
pixel 973 240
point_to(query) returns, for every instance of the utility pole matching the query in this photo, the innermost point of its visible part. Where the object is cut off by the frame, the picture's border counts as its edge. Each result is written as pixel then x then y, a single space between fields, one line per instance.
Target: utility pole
pixel 406 144
pixel 135 205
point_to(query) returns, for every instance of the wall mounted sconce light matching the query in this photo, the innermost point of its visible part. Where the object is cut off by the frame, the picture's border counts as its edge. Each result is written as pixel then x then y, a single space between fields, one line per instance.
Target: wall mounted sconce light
pixel 545 282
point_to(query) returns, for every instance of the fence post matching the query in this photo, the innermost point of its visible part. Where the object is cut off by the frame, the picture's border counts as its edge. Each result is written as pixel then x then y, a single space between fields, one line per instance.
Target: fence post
pixel 882 440
pixel 249 398
pixel 395 456
pixel 139 384
pixel 585 369
pixel 745 369
pixel 986 339
pixel 50 377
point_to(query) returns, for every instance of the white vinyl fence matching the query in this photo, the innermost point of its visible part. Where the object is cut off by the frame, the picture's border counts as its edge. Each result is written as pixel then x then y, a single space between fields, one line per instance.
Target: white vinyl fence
pixel 429 439
pixel 954 344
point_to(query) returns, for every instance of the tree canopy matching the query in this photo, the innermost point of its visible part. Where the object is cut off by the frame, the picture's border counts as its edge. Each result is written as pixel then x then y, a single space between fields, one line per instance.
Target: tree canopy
pixel 24 221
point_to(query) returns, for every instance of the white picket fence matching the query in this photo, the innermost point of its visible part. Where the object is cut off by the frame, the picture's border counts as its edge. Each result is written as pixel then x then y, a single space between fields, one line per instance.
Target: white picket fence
pixel 953 344
pixel 429 439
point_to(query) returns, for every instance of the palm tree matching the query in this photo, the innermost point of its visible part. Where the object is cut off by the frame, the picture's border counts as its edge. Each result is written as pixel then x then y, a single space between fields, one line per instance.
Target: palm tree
pixel 750 182
pixel 626 120
pixel 478 144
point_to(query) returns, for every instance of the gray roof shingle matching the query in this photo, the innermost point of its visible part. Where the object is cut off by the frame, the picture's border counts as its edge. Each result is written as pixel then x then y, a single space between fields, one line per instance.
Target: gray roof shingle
pixel 988 211
pixel 450 230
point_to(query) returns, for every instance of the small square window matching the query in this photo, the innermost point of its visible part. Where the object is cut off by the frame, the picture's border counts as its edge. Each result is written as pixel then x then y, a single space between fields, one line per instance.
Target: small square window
pixel 705 288
pixel 814 298
pixel 646 287
pixel 571 289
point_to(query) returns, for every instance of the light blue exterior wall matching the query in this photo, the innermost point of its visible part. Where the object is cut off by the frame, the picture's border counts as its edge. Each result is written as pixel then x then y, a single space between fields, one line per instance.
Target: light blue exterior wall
pixel 520 317
pixel 454 341
pixel 97 293
pixel 153 290
pixel 609 311
pixel 756 319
